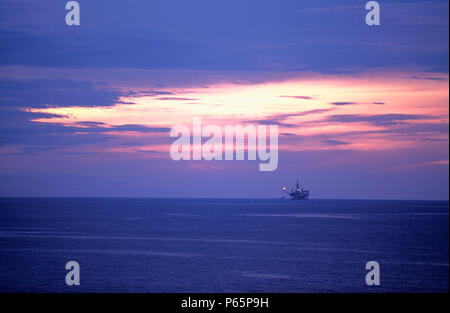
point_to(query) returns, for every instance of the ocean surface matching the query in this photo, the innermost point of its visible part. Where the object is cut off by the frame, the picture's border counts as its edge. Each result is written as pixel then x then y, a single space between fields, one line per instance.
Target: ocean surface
pixel 223 245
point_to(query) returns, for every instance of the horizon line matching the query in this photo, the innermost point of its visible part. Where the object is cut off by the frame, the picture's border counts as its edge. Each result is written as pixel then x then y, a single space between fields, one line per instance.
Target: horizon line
pixel 211 198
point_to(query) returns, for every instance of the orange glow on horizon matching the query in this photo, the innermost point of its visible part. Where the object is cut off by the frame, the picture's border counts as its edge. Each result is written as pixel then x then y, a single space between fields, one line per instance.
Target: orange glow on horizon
pixel 303 107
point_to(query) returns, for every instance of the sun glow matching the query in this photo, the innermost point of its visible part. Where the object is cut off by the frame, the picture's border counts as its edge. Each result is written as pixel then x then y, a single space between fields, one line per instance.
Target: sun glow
pixel 327 112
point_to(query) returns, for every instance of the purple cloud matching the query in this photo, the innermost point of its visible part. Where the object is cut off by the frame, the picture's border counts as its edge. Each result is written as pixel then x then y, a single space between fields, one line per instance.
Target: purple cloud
pixel 298 97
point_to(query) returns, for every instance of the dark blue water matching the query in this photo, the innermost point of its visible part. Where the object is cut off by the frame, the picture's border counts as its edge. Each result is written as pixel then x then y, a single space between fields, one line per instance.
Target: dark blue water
pixel 188 245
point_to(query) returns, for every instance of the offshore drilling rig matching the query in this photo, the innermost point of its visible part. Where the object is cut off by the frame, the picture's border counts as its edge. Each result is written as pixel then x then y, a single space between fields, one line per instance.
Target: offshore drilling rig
pixel 297 193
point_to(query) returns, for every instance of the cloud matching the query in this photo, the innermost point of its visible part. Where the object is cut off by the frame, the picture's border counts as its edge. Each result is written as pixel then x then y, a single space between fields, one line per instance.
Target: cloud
pixel 99 127
pixel 279 118
pixel 426 12
pixel 333 142
pixel 378 119
pixel 176 99
pixel 50 135
pixel 139 128
pixel 284 116
pixel 343 103
pixel 46 92
pixel 123 48
pixel 330 9
pixel 299 97
pixel 269 121
pixel 423 164
pixel 145 151
pixel 435 139
pixel 17 129
pixel 35 35
pixel 440 128
pixel 90 123
pixel 148 93
pixel 436 78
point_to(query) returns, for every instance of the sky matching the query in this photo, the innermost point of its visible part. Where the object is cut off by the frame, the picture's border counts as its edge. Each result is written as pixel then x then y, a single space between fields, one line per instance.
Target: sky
pixel 362 111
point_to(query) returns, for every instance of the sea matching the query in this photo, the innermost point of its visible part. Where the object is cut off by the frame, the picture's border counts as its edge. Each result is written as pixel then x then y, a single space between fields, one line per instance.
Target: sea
pixel 223 245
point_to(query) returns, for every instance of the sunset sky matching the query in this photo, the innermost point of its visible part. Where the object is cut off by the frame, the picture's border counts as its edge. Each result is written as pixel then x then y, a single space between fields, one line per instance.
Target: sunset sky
pixel 362 111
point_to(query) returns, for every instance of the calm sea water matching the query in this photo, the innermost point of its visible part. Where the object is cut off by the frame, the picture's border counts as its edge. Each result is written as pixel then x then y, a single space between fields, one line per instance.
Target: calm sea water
pixel 199 245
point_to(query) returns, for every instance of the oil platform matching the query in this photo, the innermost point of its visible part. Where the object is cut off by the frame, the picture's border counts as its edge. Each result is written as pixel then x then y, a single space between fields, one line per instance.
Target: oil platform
pixel 297 193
